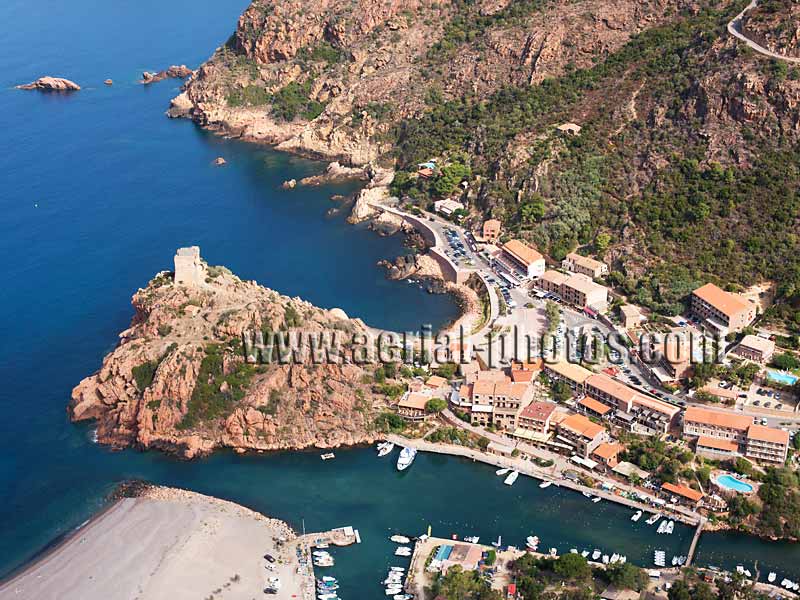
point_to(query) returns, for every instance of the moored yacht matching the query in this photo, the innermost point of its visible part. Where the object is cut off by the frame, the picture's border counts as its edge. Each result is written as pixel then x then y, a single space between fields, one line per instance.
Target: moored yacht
pixel 637 515
pixel 405 459
pixel 545 484
pixel 502 471
pixel 385 448
pixel 512 477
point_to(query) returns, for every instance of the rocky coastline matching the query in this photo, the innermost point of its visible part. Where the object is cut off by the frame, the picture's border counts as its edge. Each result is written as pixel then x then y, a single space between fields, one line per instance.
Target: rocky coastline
pixel 179 381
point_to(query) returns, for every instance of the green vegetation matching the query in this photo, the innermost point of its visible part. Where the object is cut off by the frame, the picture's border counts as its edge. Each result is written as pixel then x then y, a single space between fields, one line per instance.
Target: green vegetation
pixel 389 422
pixel 322 52
pixel 463 585
pixel 250 95
pixel 292 101
pixel 552 313
pixel 215 393
pixel 435 405
pixel 666 461
pixel 786 362
pixel 143 374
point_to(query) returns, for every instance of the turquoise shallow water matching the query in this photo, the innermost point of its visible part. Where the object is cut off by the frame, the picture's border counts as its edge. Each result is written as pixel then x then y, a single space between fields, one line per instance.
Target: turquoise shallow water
pixel 97 189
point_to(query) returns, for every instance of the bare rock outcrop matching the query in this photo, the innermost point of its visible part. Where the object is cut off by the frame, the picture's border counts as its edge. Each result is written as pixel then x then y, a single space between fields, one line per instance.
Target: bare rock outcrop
pixel 181 379
pixel 51 84
pixel 173 72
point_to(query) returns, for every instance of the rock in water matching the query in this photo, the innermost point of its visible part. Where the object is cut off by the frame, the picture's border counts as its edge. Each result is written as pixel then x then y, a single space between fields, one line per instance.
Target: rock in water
pixel 175 72
pixel 55 84
pixel 219 161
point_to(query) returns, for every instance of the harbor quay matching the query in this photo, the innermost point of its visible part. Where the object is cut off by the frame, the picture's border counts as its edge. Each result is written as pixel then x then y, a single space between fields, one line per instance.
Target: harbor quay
pixel 678 513
pixel 304 548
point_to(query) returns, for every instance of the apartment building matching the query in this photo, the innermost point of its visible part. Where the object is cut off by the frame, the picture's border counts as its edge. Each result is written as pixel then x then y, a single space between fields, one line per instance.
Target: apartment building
pixel 496 402
pixel 576 289
pixel 721 310
pixel 756 442
pixel 491 230
pixel 635 411
pixel 630 316
pixel 584 265
pixel 535 417
pixel 522 257
pixel 755 348
pixel 583 435
pixel 412 406
pixel 573 375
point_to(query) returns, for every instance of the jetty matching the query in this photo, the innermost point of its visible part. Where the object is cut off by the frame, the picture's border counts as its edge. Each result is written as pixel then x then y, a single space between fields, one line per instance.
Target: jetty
pixel 339 537
pixel 695 540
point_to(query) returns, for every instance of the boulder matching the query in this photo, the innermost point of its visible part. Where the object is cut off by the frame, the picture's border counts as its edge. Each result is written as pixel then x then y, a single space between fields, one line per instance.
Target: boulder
pixel 54 84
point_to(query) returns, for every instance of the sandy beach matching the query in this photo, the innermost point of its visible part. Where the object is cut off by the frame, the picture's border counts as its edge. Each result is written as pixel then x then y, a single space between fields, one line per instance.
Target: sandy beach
pixel 166 544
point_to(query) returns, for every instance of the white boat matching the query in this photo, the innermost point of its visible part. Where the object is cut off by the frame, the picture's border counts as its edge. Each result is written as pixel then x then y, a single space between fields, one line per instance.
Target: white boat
pixel 385 448
pixel 771 577
pixel 614 558
pixel 747 573
pixel 573 550
pixel 327 596
pixel 533 542
pixel 605 559
pixel 674 561
pixel 405 459
pixel 596 554
pixel 670 527
pixel 623 559
pixel 553 552
pixel 587 494
pixel 403 597
pixel 327 456
pixel 498 542
pixel 512 477
pixel 400 539
pixel 474 539
pixel 403 551
pixel 398 569
pixel 637 515
pixel 653 519
pixel 501 471
pixel 329 579
pixel 585 553
pixel 545 484
pixel 596 499
pixel 662 527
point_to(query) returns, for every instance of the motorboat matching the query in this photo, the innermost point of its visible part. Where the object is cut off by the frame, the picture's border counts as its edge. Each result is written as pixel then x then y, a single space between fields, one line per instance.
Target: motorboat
pixel 532 542
pixel 653 519
pixel 771 577
pixel 636 516
pixel 614 558
pixel 403 551
pixel 584 553
pixel 573 550
pixel 405 459
pixel 472 539
pixel 545 484
pixel 400 539
pixel 498 542
pixel 662 528
pixel 327 456
pixel 606 559
pixel 596 554
pixel 502 472
pixel 512 477
pixel 385 448
pixel 670 527
pixel 553 552
pixel 587 494
pixel 596 499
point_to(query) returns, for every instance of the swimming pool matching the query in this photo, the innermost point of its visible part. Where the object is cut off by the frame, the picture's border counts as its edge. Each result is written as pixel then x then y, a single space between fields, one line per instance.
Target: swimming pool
pixel 729 482
pixel 783 378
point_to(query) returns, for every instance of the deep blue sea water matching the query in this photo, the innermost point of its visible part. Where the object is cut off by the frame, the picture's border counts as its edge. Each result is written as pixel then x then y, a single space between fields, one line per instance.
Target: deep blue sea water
pixel 97 189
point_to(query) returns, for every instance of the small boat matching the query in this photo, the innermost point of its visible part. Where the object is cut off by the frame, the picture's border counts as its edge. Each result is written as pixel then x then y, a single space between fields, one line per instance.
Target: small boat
pixel 786 583
pixel 584 553
pixel 587 494
pixel 398 569
pixel 670 527
pixel 606 559
pixel 596 554
pixel 623 559
pixel 405 459
pixel 512 477
pixel 532 542
pixel 573 550
pixel 403 551
pixel 654 519
pixel 502 471
pixel 747 573
pixel 328 456
pixel 545 484
pixel 614 558
pixel 329 579
pixel 553 552
pixel 385 448
pixel 637 515
pixel 771 577
pixel 674 561
pixel 596 499
pixel 400 539
pixel 498 542
pixel 662 527
pixel 403 597
pixel 473 539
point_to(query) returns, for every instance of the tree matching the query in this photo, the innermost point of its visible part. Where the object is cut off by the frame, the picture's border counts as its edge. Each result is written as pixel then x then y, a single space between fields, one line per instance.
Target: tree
pixel 679 591
pixel 785 362
pixel 532 211
pixel 573 567
pixel 626 575
pixel 601 242
pixel 435 405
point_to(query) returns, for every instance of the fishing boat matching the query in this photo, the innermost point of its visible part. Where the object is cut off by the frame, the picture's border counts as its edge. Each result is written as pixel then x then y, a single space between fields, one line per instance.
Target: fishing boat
pixel 636 516
pixel 327 456
pixel 400 539
pixel 532 542
pixel 771 577
pixel 405 459
pixel 512 477
pixel 596 554
pixel 498 542
pixel 385 448
pixel 501 472
pixel 545 484
pixel 654 519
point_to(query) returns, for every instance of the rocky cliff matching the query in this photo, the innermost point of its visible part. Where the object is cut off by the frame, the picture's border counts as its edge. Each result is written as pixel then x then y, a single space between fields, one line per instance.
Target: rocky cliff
pixel 179 381
pixel 330 79
pixel 775 25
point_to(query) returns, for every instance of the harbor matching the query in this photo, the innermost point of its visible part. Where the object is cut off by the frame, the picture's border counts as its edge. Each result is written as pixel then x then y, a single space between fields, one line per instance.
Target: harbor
pixel 312 555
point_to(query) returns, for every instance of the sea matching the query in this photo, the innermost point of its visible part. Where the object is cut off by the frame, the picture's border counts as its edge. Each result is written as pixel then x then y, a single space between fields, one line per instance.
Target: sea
pixel 97 190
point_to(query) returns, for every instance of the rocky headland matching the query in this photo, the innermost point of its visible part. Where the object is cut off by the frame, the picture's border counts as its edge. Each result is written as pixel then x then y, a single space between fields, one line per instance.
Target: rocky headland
pixel 173 72
pixel 178 381
pixel 51 84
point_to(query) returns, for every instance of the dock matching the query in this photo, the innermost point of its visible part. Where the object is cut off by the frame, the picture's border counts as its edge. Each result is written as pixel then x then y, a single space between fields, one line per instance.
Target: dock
pixel 695 540
pixel 339 537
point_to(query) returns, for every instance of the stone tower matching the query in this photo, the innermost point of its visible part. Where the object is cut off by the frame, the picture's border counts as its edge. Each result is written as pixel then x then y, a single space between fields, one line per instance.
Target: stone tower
pixel 190 270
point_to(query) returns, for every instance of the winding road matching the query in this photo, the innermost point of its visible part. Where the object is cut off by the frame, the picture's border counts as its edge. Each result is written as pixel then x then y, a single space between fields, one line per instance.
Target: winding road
pixel 735 29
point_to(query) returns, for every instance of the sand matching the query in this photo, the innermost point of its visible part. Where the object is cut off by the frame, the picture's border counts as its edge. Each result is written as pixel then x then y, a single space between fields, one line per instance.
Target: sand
pixel 168 544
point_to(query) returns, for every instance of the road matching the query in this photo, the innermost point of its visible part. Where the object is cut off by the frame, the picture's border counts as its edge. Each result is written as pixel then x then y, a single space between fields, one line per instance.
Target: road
pixel 735 29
